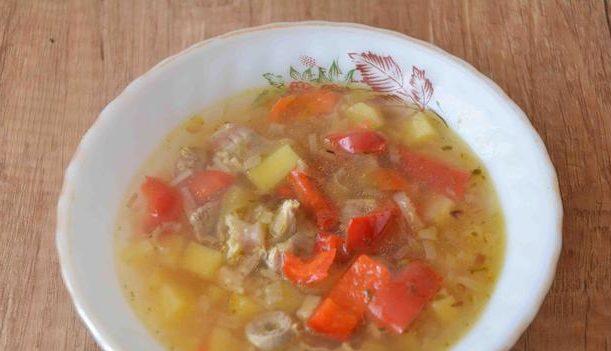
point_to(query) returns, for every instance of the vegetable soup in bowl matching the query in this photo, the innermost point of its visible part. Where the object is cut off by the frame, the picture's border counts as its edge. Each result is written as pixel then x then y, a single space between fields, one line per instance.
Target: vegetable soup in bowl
pixel 372 194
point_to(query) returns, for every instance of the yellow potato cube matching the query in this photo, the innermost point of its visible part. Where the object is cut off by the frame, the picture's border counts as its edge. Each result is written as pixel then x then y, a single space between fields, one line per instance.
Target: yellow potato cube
pixel 273 169
pixel 244 307
pixel 444 308
pixel 418 129
pixel 170 248
pixel 201 260
pixel 174 301
pixel 363 114
pixel 139 252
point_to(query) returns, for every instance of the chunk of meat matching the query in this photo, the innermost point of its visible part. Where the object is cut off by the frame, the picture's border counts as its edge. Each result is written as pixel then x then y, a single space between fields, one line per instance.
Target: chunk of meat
pixel 190 159
pixel 284 222
pixel 236 147
pixel 204 222
pixel 243 237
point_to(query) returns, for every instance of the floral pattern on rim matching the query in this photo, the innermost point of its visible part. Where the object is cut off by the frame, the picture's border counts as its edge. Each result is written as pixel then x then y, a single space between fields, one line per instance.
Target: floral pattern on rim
pixel 384 75
pixel 381 73
pixel 312 74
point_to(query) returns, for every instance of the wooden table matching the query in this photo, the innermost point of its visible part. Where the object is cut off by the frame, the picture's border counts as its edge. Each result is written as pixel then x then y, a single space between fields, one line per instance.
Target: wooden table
pixel 62 61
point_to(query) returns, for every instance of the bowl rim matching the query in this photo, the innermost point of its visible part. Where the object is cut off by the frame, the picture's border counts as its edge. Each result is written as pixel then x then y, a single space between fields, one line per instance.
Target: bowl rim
pixel 63 246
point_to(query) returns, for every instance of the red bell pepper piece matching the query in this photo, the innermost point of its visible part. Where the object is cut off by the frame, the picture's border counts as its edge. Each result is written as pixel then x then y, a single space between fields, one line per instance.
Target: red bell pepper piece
pixel 313 270
pixel 364 232
pixel 388 179
pixel 285 192
pixel 205 185
pixel 333 321
pixel 313 200
pixel 348 298
pixel 398 303
pixel 358 142
pixel 437 175
pixel 326 242
pixel 164 203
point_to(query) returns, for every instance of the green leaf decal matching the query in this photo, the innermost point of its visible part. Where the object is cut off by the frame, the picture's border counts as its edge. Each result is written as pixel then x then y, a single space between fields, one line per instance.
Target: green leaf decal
pixel 307 75
pixel 334 71
pixel 274 80
pixel 294 74
pixel 322 76
pixel 350 75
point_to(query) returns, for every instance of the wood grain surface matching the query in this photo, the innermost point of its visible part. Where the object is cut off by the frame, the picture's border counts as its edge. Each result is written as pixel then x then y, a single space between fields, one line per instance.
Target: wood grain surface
pixel 62 61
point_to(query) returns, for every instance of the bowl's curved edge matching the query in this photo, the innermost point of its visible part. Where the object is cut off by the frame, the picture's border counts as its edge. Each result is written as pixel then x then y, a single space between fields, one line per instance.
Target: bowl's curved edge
pixel 65 197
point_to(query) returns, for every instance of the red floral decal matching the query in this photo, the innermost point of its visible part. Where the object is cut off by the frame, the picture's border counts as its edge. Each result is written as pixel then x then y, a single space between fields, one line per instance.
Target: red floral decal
pixel 383 74
pixel 422 88
pixel 307 61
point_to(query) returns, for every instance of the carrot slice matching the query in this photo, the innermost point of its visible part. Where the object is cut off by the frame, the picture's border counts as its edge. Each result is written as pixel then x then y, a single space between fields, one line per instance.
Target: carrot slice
pixel 311 102
pixel 282 108
pixel 388 179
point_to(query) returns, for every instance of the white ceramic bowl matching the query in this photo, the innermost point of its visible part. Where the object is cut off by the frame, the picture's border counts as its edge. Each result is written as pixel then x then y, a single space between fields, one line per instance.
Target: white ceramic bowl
pixel 132 125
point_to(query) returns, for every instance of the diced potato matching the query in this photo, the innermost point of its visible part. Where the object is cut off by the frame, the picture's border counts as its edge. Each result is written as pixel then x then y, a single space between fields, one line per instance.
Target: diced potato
pixel 418 129
pixel 175 301
pixel 445 309
pixel 287 297
pixel 170 248
pixel 244 307
pixel 363 114
pixel 273 169
pixel 235 199
pixel 201 260
pixel 139 252
pixel 437 209
pixel 222 340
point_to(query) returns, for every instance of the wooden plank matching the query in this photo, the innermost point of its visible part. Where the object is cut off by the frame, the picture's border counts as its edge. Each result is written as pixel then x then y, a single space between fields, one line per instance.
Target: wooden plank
pixel 62 61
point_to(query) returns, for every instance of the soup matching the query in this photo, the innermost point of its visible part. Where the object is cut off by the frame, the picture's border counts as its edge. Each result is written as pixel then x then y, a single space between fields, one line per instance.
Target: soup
pixel 313 218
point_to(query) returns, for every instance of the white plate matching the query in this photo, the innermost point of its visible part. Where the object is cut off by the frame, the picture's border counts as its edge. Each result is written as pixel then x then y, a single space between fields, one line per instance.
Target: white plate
pixel 132 125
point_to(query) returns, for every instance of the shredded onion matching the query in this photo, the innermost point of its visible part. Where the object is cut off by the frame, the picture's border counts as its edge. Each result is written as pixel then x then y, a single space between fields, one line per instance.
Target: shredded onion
pixel 408 209
pixel 181 176
pixel 188 200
